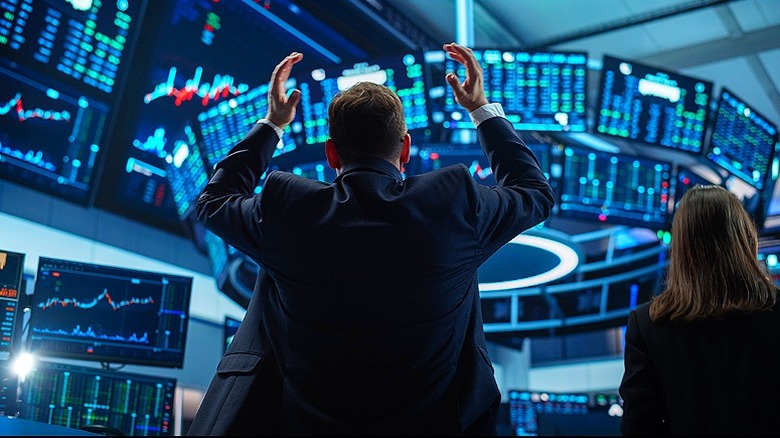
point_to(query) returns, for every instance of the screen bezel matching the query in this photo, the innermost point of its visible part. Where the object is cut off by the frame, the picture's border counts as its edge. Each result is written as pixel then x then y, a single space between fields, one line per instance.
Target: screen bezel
pixel 663 224
pixel 602 88
pixel 710 145
pixel 103 353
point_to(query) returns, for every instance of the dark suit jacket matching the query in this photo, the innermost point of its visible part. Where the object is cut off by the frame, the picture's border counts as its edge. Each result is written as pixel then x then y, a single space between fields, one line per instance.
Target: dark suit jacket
pixel 371 319
pixel 712 378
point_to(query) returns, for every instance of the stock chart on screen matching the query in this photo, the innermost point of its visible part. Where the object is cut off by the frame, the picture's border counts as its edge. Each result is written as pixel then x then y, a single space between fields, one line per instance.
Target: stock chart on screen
pixel 62 65
pixel 652 105
pixel 539 91
pixel 109 314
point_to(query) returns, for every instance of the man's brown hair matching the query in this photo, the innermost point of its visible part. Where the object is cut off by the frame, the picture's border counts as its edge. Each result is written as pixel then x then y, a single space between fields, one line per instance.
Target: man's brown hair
pixel 367 120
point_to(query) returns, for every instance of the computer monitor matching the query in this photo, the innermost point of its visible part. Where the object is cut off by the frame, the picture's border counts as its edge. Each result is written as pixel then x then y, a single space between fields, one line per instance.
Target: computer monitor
pixel 437 156
pixel 615 188
pixel 226 123
pixel 63 65
pixel 539 90
pixel 11 290
pixel 652 105
pixel 525 407
pixel 204 69
pixel 108 314
pixel 742 140
pixel 99 400
pixel 403 73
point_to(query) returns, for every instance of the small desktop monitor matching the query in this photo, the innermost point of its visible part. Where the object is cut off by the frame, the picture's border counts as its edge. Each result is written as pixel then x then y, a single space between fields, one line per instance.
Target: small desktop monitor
pixel 615 188
pixel 539 90
pixel 404 74
pixel 99 400
pixel 108 314
pixel 63 65
pixel 526 406
pixel 769 255
pixel 9 388
pixel 11 290
pixel 742 140
pixel 652 105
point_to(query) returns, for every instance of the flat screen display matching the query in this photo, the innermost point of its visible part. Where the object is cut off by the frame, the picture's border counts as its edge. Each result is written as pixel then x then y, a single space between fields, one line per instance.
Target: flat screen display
pixel 404 74
pixel 742 140
pixel 614 188
pixel 203 70
pixel 63 65
pixel 539 91
pixel 109 314
pixel 525 407
pixel 652 105
pixel 11 289
pixel 78 397
pixel 437 156
pixel 226 123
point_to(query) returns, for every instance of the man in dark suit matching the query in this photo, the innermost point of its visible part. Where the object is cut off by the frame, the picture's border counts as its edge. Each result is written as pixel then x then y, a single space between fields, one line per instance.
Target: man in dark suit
pixel 366 318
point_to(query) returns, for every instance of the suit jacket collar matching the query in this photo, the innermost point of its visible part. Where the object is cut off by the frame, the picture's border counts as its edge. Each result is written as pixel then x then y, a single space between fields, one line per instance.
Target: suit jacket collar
pixel 373 165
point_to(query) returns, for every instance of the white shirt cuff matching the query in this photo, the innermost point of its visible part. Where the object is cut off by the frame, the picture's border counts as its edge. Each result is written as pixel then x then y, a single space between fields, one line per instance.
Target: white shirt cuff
pixel 485 112
pixel 279 131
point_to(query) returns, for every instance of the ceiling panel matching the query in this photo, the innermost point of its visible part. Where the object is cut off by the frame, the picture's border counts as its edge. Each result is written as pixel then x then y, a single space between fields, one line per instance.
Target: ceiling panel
pixel 771 61
pixel 756 14
pixel 535 21
pixel 684 30
pixel 732 42
pixel 738 75
pixel 629 43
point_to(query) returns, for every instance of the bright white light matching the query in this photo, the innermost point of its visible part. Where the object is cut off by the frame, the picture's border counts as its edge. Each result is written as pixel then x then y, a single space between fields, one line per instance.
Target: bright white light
pixel 377 77
pixel 664 91
pixel 23 365
pixel 615 410
pixel 568 261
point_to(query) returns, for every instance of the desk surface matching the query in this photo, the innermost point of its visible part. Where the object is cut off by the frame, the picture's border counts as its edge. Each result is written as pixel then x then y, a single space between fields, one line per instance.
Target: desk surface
pixel 12 426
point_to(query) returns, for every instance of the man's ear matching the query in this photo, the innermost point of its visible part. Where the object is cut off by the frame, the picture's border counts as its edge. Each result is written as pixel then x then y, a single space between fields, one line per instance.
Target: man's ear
pixel 406 149
pixel 330 153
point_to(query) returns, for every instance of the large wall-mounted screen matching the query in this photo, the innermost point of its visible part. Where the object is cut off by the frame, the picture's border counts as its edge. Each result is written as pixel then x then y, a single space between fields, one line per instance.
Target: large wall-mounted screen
pixel 62 65
pixel 615 188
pixel 539 91
pixel 404 74
pixel 652 105
pixel 204 73
pixel 742 140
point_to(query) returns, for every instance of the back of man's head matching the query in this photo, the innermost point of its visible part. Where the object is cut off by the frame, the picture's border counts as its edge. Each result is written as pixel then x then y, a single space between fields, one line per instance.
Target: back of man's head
pixel 367 120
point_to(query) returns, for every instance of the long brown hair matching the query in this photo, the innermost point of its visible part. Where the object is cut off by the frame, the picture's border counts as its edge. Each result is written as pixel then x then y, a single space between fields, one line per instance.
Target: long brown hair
pixel 713 265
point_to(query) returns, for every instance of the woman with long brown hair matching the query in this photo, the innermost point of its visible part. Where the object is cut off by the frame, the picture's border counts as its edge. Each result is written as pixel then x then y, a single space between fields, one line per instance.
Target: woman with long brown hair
pixel 703 357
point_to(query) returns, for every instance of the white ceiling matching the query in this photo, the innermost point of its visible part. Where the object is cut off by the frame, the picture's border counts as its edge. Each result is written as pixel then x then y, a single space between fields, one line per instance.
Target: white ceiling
pixel 733 43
